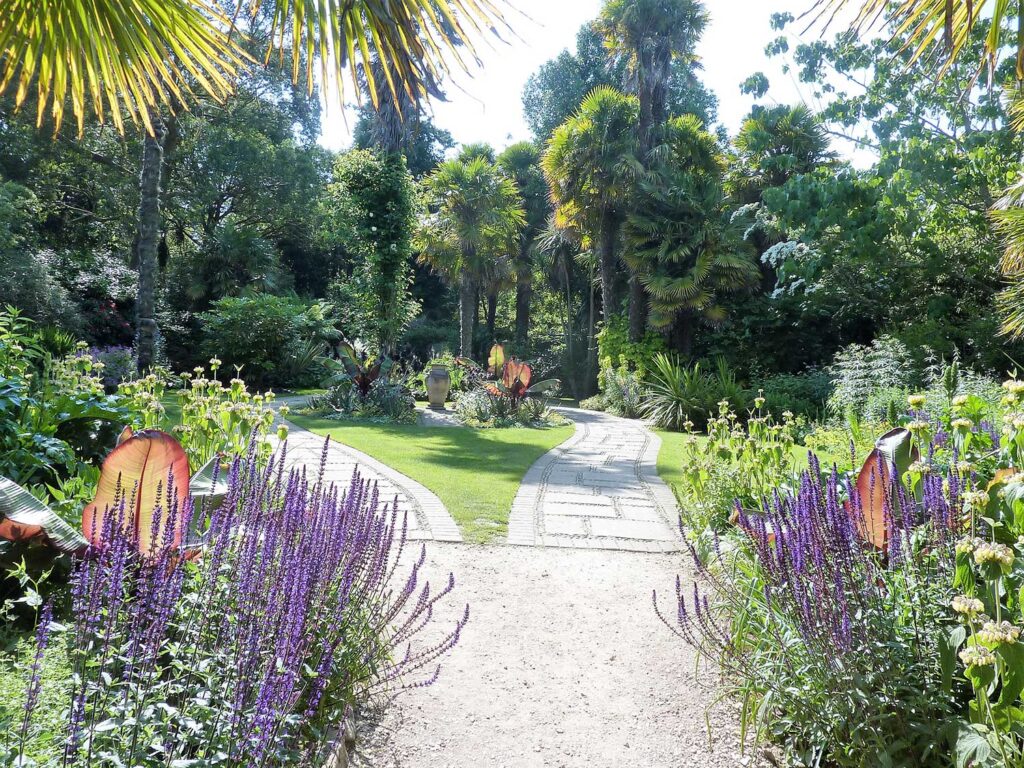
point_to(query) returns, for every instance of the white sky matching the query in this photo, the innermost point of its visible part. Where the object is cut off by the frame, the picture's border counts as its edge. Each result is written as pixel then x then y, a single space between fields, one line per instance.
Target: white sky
pixel 487 106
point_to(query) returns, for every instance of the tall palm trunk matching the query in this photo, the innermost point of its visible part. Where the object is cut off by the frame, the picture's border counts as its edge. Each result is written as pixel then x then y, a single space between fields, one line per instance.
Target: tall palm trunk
pixel 492 314
pixel 637 308
pixel 148 243
pixel 652 92
pixel 523 295
pixel 467 316
pixel 607 241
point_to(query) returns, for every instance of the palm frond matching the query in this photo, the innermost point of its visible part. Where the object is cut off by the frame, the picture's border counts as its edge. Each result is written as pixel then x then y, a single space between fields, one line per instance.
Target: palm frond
pixel 124 59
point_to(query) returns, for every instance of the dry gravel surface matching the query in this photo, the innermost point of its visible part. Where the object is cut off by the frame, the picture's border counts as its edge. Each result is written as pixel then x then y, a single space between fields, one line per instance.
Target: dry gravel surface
pixel 563 664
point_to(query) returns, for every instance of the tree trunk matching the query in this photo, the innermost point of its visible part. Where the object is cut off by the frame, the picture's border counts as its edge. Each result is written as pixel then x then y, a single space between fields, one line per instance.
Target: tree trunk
pixel 637 309
pixel 591 343
pixel 608 239
pixel 681 335
pixel 147 244
pixel 467 317
pixel 523 296
pixel 492 314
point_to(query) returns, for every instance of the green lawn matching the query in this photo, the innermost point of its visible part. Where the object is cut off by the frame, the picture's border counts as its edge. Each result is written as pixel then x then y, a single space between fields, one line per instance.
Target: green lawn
pixel 475 472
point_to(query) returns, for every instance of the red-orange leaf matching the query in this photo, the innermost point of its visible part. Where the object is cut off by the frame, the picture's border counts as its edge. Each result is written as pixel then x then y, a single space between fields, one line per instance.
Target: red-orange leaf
pixel 137 472
pixel 884 467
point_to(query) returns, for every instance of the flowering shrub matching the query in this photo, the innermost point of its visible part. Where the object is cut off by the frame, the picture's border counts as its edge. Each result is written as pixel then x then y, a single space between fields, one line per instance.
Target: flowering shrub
pixel 835 649
pixel 246 655
pixel 215 418
pixel 880 622
pixel 736 462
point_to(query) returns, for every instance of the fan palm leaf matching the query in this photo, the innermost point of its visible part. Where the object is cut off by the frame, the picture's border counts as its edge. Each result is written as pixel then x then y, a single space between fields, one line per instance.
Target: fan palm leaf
pixel 125 58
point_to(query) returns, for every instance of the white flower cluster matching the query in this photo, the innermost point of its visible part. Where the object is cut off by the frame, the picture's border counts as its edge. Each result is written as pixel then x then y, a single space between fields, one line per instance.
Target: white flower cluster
pixel 995 634
pixel 977 656
pixel 968 606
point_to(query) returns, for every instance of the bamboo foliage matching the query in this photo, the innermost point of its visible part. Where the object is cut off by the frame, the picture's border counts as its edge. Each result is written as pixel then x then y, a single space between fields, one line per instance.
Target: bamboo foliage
pixel 123 59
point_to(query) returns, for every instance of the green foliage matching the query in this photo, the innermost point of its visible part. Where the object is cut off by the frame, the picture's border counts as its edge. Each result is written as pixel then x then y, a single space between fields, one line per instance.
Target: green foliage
pixel 479 408
pixel 54 412
pixel 614 346
pixel 622 391
pixel 265 337
pixel 213 418
pixel 372 208
pixel 802 394
pixel 868 381
pixel 739 461
pixel 360 386
pixel 681 397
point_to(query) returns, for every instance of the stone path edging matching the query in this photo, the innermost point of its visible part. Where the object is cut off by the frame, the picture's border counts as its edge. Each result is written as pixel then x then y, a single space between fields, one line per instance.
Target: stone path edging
pixel 599 489
pixel 428 516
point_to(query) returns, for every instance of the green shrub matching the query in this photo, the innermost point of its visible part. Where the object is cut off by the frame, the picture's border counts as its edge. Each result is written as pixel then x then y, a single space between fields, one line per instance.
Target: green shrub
pixel 802 394
pixel 478 408
pixel 868 380
pixel 271 340
pixel 736 463
pixel 682 397
pixel 622 390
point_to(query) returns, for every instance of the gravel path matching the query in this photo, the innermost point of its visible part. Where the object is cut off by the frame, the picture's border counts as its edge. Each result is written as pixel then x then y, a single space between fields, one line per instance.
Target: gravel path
pixel 563 664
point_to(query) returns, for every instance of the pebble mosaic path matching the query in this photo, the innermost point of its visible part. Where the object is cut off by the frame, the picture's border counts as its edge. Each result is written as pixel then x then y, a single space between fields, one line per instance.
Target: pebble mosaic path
pixel 598 490
pixel 427 516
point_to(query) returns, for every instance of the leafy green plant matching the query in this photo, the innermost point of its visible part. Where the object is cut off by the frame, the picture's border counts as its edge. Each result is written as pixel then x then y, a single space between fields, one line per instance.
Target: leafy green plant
pixel 679 394
pixel 738 462
pixel 267 338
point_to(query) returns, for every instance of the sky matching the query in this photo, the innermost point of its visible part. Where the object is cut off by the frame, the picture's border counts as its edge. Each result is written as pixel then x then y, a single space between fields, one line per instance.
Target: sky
pixel 486 104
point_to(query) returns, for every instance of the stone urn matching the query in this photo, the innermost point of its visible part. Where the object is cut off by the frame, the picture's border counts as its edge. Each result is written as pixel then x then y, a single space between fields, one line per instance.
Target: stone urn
pixel 439 382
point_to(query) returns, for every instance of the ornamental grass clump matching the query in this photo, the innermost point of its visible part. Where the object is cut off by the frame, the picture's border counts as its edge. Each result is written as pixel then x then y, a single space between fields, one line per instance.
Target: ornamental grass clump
pixel 245 650
pixel 836 647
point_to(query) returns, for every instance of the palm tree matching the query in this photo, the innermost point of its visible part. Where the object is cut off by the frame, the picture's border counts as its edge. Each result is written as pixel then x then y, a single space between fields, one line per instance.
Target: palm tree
pixel 590 163
pixel 682 246
pixel 1009 219
pixel 773 145
pixel 474 222
pixel 521 163
pixel 127 57
pixel 648 36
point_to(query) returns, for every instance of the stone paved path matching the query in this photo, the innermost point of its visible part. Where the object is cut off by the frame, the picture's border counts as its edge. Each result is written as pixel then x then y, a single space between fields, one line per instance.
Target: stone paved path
pixel 598 490
pixel 428 518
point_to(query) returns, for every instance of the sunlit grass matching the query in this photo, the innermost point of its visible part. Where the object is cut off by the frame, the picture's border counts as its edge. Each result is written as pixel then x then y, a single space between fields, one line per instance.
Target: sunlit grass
pixel 475 472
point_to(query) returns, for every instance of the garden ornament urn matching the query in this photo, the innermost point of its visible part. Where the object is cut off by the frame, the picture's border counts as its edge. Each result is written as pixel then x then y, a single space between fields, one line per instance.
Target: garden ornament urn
pixel 439 382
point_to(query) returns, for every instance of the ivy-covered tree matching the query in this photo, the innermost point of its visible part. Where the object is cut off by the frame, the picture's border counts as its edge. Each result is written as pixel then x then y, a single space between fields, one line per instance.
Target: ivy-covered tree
pixel 371 213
